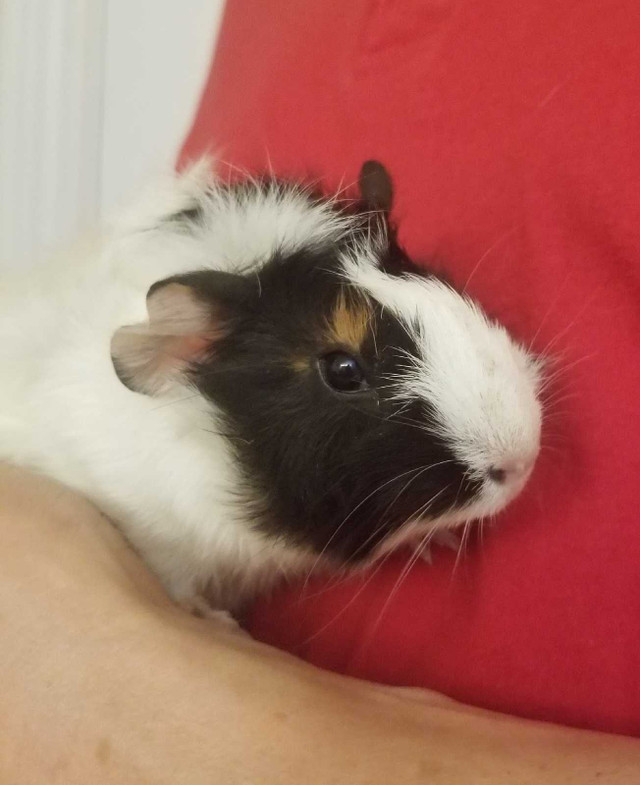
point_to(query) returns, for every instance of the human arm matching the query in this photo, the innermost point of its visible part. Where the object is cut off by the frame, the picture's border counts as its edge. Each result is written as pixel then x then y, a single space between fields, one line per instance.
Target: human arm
pixel 104 680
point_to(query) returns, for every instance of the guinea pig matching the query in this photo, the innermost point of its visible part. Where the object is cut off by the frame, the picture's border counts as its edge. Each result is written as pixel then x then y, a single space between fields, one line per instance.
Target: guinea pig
pixel 253 381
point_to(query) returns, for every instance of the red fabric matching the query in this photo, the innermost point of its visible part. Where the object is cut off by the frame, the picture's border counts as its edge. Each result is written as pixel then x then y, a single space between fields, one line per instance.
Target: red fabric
pixel 512 132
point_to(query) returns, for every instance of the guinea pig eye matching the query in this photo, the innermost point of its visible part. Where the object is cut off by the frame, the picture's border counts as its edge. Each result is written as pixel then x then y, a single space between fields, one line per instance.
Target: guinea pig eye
pixel 343 373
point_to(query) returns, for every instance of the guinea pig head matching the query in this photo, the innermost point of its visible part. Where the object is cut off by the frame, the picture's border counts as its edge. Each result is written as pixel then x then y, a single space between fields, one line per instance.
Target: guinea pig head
pixel 359 403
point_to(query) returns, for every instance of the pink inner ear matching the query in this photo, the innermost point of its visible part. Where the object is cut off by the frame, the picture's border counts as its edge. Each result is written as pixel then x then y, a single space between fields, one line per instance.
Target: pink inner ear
pixel 186 327
pixel 187 348
pixel 181 330
pixel 174 309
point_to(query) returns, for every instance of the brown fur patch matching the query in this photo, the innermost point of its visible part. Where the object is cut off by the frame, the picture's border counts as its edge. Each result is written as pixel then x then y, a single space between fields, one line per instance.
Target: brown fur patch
pixel 300 364
pixel 350 321
pixel 347 326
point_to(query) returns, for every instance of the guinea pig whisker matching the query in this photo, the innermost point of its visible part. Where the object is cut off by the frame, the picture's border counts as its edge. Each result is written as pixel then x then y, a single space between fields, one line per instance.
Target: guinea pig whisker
pixel 370 576
pixel 549 379
pixel 550 384
pixel 409 423
pixel 345 575
pixel 481 531
pixel 489 250
pixel 383 517
pixel 463 479
pixel 423 508
pixel 353 511
pixel 417 471
pixel 463 545
pixel 550 448
pixel 231 436
pixel 401 411
pixel 594 296
pixel 178 400
pixel 333 581
pixel 375 343
pixel 554 413
pixel 245 174
pixel 411 562
pixel 551 400
pixel 551 416
pixel 585 306
pixel 351 514
pixel 551 405
pixel 329 490
pixel 547 313
pixel 551 388
pixel 405 421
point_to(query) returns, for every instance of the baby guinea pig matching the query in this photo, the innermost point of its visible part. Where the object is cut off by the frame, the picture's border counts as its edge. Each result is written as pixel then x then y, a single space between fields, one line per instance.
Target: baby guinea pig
pixel 255 381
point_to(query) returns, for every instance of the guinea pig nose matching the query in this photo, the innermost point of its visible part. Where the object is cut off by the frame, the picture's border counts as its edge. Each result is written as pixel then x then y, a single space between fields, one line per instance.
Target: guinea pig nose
pixel 509 470
pixel 497 474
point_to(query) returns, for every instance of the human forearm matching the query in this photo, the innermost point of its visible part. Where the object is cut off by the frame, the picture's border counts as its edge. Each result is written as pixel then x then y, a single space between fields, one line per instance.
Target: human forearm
pixel 105 681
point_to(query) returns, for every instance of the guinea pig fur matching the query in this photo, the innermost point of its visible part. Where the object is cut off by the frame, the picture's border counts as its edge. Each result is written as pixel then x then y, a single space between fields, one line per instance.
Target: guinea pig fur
pixel 254 381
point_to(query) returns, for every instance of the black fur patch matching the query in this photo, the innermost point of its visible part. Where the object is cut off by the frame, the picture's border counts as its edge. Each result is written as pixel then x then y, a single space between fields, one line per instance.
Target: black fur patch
pixel 331 471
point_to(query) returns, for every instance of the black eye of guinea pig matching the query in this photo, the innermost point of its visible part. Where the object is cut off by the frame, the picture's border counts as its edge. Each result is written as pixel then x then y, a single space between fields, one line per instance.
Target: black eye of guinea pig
pixel 342 372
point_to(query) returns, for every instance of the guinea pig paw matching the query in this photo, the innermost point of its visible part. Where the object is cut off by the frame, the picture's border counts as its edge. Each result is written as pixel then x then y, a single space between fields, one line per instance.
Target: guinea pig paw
pixel 226 620
pixel 200 607
pixel 196 606
pixel 426 555
pixel 447 539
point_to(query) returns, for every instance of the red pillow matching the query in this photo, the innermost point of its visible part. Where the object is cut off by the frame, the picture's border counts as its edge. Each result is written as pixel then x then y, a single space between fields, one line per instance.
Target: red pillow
pixel 512 131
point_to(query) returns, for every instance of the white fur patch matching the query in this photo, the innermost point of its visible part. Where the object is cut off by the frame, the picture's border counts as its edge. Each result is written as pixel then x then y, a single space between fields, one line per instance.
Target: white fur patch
pixel 480 384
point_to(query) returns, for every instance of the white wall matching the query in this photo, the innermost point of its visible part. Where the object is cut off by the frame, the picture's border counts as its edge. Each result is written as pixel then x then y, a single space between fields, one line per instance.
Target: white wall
pixel 155 68
pixel 95 95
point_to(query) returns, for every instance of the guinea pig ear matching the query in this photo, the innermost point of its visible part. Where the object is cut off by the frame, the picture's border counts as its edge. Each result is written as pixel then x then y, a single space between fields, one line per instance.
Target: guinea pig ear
pixel 188 315
pixel 376 188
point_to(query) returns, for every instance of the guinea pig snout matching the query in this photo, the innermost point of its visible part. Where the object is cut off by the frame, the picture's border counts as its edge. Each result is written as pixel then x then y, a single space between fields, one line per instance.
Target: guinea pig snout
pixel 512 470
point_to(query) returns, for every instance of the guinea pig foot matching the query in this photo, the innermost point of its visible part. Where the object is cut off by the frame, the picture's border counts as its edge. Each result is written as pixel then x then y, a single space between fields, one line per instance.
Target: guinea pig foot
pixel 200 607
pixel 226 620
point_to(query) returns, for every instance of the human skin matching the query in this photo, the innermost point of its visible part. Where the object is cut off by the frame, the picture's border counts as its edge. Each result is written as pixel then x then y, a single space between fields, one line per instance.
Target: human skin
pixel 104 680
